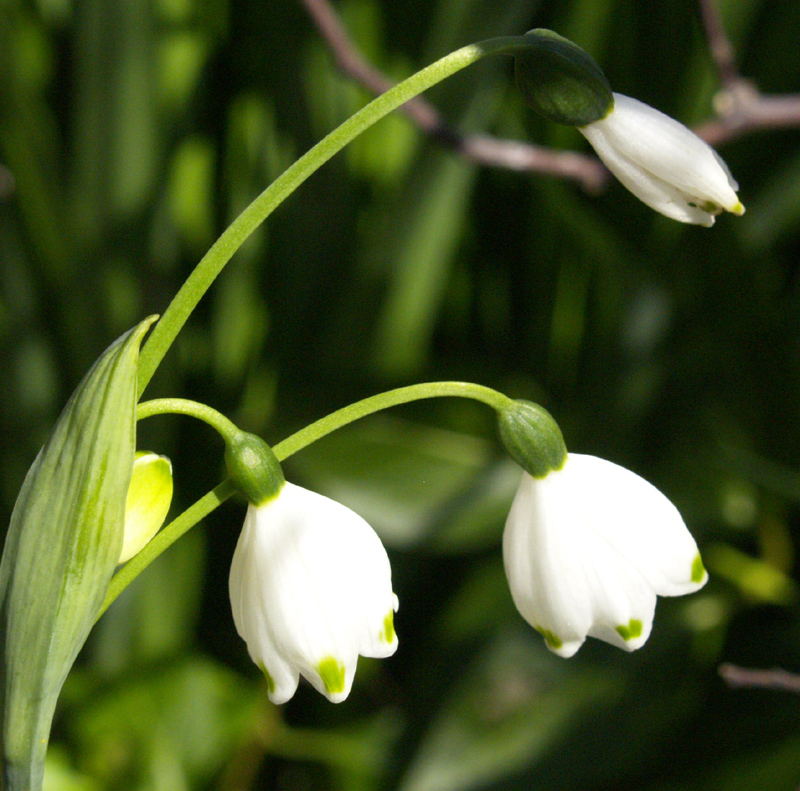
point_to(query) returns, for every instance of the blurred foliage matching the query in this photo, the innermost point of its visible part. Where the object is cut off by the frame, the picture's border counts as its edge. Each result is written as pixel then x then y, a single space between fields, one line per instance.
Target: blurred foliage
pixel 135 131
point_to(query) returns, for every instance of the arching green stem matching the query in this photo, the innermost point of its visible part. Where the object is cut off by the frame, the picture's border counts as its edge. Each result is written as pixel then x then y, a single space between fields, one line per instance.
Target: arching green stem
pixel 183 406
pixel 222 250
pixel 342 417
pixel 368 406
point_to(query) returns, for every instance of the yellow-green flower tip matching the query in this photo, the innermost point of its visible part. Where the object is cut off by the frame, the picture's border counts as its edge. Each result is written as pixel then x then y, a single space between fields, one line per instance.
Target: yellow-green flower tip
pixel 698 569
pixel 387 633
pixel 269 679
pixel 553 640
pixel 148 501
pixel 331 671
pixel 630 631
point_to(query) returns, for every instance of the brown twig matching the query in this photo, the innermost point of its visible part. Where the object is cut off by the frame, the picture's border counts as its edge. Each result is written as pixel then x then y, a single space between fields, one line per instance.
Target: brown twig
pixel 514 155
pixel 776 678
pixel 740 106
pixel 719 46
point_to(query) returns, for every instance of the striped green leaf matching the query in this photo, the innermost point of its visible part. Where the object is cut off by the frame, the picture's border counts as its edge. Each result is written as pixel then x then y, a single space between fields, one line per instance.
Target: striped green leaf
pixel 63 544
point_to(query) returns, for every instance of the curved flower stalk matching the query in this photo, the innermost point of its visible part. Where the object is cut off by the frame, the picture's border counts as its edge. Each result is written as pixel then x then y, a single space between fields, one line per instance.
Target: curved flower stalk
pixel 588 547
pixel 311 589
pixel 663 163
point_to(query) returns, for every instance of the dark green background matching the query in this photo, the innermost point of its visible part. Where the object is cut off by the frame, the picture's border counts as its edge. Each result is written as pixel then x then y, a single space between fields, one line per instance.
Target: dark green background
pixel 135 131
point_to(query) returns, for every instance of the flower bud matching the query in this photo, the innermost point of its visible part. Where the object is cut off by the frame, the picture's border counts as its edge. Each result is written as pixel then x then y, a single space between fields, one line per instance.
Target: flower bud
pixel 532 438
pixel 149 499
pixel 561 81
pixel 253 468
pixel 663 163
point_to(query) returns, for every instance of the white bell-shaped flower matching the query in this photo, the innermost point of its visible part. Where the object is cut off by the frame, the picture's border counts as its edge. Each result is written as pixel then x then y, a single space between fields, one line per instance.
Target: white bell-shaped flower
pixel 588 547
pixel 311 589
pixel 663 163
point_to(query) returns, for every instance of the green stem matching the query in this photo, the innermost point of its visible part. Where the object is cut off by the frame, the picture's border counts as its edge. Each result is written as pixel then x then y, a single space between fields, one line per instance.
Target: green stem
pixel 192 515
pixel 222 250
pixel 182 406
pixel 205 505
pixel 376 403
pixel 165 538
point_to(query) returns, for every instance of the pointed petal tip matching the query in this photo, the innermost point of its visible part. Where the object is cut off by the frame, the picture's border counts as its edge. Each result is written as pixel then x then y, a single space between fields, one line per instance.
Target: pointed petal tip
pixel 634 634
pixel 699 575
pixel 557 646
pixel 565 650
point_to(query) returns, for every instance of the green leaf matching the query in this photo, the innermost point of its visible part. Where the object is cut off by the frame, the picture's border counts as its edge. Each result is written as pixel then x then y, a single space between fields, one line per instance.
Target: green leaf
pixel 512 705
pixel 172 725
pixel 63 544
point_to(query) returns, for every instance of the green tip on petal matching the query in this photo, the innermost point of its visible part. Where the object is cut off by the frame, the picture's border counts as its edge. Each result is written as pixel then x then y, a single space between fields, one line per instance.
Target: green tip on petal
pixel 331 671
pixel 631 631
pixel 270 680
pixel 552 639
pixel 698 569
pixel 387 635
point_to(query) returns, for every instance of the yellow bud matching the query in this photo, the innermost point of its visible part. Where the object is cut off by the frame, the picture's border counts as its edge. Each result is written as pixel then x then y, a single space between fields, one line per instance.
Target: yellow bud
pixel 149 498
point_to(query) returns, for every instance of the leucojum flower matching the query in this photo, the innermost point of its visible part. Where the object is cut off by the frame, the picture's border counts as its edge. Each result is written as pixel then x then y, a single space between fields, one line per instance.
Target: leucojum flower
pixel 663 163
pixel 588 545
pixel 658 159
pixel 311 589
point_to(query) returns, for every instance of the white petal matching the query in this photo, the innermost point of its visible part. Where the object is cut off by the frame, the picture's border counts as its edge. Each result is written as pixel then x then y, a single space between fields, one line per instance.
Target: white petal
pixel 670 151
pixel 639 522
pixel 663 162
pixel 564 578
pixel 648 188
pixel 587 549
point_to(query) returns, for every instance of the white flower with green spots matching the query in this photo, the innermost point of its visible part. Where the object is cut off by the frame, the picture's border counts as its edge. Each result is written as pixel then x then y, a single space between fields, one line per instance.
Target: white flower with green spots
pixel 311 589
pixel 663 163
pixel 588 547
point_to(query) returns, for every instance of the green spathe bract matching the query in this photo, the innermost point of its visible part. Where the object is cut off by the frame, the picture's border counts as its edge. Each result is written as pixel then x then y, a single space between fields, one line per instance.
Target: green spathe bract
pixel 561 81
pixel 532 438
pixel 63 543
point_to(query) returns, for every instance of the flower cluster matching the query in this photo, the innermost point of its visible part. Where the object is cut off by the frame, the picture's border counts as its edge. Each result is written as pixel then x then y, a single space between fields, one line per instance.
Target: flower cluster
pixel 588 545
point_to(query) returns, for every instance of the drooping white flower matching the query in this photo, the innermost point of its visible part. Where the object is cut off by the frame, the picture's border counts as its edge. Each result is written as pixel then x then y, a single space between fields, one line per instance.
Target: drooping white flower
pixel 311 589
pixel 663 163
pixel 588 547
